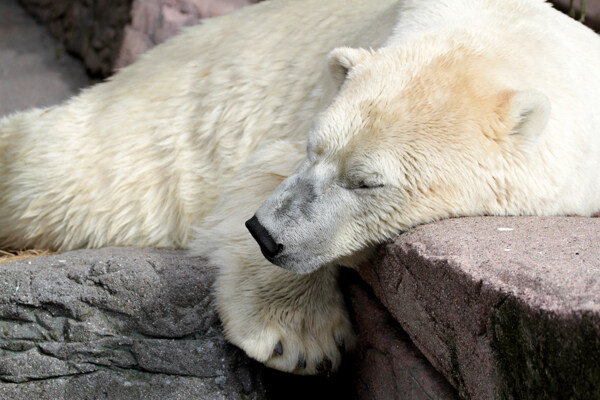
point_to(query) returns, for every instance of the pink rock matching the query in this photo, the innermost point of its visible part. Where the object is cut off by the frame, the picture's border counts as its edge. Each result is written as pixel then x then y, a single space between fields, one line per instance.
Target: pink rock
pixel 114 35
pixel 503 307
pixel 214 8
pixel 387 365
pixel 154 21
pixel 135 43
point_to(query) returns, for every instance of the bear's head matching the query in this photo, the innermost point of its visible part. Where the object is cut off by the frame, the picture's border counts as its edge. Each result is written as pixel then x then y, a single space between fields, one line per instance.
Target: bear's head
pixel 411 136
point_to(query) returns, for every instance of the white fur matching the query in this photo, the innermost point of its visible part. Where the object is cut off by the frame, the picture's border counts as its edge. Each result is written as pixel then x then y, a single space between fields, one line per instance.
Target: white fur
pixel 453 107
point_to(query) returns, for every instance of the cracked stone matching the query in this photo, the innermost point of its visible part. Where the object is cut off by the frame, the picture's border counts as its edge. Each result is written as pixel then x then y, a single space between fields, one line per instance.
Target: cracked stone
pixel 119 318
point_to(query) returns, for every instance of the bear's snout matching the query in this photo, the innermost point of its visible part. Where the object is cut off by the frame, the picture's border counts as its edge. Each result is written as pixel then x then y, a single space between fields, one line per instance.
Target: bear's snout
pixel 269 247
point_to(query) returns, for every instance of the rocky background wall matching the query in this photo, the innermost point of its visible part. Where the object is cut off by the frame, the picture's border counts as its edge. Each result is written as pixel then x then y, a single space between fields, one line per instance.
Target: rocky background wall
pixel 111 34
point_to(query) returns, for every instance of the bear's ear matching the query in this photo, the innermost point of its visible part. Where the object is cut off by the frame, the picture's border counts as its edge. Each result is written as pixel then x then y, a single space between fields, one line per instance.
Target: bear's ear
pixel 342 60
pixel 529 111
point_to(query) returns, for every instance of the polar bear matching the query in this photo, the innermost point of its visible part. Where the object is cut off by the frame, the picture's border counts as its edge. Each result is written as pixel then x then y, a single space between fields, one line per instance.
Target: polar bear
pixel 328 128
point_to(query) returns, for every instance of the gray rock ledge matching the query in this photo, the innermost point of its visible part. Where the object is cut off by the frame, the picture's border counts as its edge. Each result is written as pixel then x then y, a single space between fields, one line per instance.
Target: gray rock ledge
pixel 127 323
pixel 116 323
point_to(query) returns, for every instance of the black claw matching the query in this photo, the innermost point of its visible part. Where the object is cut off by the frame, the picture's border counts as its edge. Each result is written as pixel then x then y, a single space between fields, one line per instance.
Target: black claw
pixel 278 348
pixel 341 345
pixel 301 361
pixel 327 364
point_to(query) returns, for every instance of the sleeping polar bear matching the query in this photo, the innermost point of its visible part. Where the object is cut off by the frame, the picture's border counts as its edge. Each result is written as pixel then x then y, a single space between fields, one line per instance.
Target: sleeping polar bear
pixel 412 110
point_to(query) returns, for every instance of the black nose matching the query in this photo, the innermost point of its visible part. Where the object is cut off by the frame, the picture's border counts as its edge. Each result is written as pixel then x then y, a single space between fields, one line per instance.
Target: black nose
pixel 268 246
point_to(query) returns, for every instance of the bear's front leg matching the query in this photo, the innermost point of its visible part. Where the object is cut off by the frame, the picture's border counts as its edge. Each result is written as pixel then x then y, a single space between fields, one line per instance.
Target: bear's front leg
pixel 293 323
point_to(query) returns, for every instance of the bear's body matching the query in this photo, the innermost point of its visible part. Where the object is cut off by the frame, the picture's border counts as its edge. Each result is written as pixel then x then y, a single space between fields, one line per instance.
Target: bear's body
pixel 460 107
pixel 147 152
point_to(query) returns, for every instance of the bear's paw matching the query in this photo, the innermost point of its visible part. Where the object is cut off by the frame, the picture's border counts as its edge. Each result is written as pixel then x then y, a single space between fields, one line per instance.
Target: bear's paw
pixel 289 322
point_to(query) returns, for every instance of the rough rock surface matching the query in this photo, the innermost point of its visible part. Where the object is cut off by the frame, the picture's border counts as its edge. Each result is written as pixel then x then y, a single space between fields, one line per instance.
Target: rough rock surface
pixel 504 307
pixel 123 323
pixel 35 71
pixel 113 33
pixel 91 29
pixel 386 365
pixel 116 323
